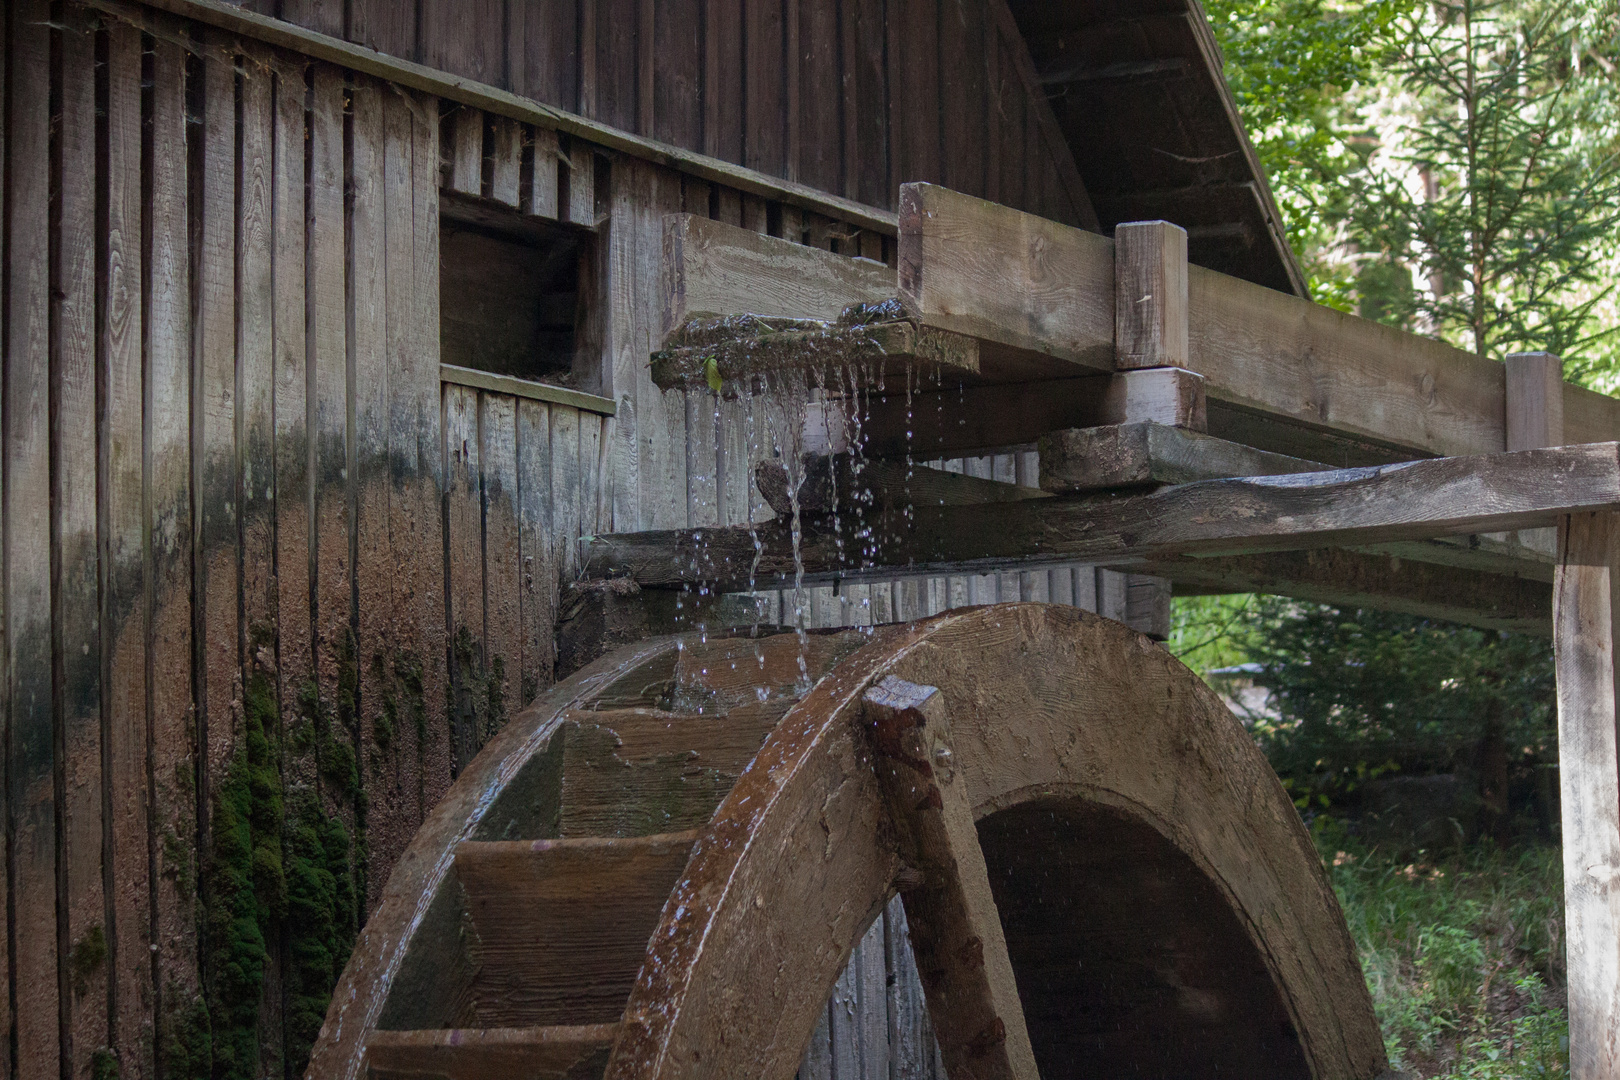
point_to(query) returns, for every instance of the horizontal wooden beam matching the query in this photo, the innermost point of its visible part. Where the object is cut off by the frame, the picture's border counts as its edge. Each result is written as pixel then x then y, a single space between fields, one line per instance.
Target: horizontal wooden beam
pixel 1135 455
pixel 1411 501
pixel 712 268
pixel 948 422
pixel 491 99
pixel 526 388
pixel 1040 291
pixel 862 344
pixel 1360 579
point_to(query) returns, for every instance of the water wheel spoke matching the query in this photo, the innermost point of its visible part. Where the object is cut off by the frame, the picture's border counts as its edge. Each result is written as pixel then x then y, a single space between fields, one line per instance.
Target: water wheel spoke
pixel 955 928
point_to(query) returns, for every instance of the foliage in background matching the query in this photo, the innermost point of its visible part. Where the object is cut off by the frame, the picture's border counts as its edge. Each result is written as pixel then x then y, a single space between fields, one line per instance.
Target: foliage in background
pixel 1448 167
pixel 1493 179
pixel 1463 957
pixel 1362 693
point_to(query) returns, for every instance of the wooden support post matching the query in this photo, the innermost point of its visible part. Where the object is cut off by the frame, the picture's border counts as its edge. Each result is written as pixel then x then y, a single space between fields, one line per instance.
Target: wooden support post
pixel 1150 295
pixel 1585 599
pixel 955 927
pixel 1535 417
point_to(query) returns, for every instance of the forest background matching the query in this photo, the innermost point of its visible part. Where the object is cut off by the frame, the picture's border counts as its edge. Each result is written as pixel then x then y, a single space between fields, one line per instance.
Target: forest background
pixel 1451 168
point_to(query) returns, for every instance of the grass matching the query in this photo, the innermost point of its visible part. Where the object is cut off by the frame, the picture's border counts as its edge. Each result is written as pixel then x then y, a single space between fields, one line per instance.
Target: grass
pixel 1463 954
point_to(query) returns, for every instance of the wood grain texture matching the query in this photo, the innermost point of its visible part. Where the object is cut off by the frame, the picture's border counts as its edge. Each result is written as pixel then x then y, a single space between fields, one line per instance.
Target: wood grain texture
pixel 172 745
pixel 505 160
pixel 1135 454
pixel 972 989
pixel 387 821
pixel 563 924
pixel 1584 613
pixel 540 196
pixel 1434 497
pixel 123 611
pixel 213 409
pixel 534 1053
pixel 464 573
pixel 569 120
pixel 1150 295
pixel 709 266
pixel 78 688
pixel 538 551
pixel 1535 401
pixel 331 439
pixel 503 570
pixel 25 396
pixel 1024 282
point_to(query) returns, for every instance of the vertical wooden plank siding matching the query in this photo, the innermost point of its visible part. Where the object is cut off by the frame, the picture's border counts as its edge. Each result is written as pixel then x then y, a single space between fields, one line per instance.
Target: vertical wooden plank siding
pixel 172 747
pixel 1586 603
pixel 123 606
pixel 213 435
pixel 537 550
pixel 76 651
pixel 25 398
pixel 420 442
pixel 327 410
pixel 464 573
pixel 379 821
pixel 8 1010
pixel 503 612
pixel 294 514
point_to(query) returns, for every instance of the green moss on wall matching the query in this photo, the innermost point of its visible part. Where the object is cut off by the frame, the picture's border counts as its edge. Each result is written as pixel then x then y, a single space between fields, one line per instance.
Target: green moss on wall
pixel 185 1036
pixel 280 869
pixel 246 886
pixel 321 919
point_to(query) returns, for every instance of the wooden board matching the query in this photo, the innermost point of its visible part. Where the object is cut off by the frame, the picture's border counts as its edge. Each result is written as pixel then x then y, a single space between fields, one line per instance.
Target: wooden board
pixel 562 925
pixel 386 821
pixel 1584 612
pixel 331 441
pixel 1434 497
pixel 1136 454
pixel 213 418
pixel 537 1053
pixel 78 687
pixel 1150 295
pixel 124 616
pixel 503 601
pixel 538 552
pixel 31 752
pixel 710 266
pixel 1042 290
pixel 464 573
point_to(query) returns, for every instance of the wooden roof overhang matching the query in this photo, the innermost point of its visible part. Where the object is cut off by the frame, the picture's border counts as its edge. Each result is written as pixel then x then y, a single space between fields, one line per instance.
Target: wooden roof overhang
pixel 1137 89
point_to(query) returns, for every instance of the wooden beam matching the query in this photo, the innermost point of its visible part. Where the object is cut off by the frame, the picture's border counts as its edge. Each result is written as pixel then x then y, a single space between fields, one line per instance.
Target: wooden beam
pixel 1415 500
pixel 946 423
pixel 1586 601
pixel 714 268
pixel 1150 295
pixel 1362 579
pixel 735 351
pixel 845 483
pixel 955 927
pixel 251 25
pixel 1041 291
pixel 1137 454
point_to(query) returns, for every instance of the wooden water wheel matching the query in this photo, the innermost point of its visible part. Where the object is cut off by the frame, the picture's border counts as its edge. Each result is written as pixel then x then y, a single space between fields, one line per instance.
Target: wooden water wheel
pixel 660 868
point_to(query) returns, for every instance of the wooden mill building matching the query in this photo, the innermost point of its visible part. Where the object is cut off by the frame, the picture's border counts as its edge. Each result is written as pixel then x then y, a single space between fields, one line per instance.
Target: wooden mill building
pixel 326 336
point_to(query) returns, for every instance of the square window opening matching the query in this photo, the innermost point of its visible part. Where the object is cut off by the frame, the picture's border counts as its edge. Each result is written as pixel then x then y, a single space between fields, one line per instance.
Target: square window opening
pixel 516 294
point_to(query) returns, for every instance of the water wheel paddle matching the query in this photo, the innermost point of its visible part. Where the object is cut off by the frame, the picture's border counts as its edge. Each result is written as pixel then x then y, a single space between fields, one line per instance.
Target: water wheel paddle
pixel 660 868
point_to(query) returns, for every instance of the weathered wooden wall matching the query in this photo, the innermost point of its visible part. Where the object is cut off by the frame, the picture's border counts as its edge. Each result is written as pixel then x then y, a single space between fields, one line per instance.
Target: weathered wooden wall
pixel 851 98
pixel 267 581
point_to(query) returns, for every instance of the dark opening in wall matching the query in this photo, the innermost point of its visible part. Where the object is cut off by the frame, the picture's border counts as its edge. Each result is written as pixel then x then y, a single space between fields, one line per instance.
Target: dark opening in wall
pixel 515 293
